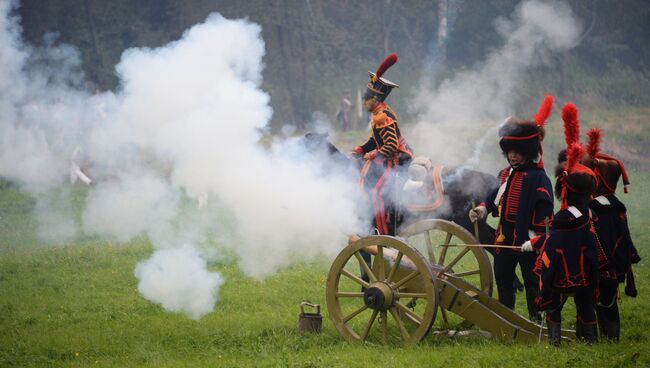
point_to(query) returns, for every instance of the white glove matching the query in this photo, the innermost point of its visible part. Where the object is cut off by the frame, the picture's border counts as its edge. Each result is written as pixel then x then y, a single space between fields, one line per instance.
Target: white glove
pixel 527 246
pixel 477 213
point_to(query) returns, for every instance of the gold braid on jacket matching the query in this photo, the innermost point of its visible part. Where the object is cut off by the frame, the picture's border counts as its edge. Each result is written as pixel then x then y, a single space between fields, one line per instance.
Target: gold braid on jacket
pixel 385 130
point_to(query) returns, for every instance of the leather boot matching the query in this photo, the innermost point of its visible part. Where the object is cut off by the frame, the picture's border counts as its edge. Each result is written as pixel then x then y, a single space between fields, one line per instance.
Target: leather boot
pixel 610 331
pixel 579 331
pixel 554 333
pixel 588 332
pixel 600 315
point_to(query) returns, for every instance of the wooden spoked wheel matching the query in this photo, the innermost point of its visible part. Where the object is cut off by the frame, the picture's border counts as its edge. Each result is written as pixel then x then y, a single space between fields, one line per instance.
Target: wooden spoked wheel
pixel 398 302
pixel 443 242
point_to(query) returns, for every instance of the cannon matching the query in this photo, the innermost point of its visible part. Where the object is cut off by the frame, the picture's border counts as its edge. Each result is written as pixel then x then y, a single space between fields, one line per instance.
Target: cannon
pixel 396 297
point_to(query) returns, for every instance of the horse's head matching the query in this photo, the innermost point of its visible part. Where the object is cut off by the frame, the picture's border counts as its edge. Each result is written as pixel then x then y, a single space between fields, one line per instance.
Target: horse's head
pixel 319 142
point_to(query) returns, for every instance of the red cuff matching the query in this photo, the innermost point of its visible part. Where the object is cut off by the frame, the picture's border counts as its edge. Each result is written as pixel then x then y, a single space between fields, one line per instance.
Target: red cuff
pixel 534 242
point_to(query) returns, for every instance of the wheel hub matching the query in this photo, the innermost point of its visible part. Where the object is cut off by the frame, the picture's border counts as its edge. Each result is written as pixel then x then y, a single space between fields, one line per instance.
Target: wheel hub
pixel 378 296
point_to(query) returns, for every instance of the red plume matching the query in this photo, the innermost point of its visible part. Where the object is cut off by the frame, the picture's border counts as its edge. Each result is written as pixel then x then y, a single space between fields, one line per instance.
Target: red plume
pixel 595 136
pixel 574 155
pixel 571 124
pixel 544 111
pixel 387 63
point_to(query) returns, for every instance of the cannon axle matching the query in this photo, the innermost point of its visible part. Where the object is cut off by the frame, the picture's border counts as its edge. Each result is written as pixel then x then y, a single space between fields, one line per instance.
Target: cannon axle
pixel 379 296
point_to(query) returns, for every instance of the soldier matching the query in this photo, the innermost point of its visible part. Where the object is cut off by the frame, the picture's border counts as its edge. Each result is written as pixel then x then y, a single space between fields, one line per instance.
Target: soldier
pixel 345 111
pixel 384 153
pixel 568 261
pixel 610 220
pixel 568 256
pixel 523 202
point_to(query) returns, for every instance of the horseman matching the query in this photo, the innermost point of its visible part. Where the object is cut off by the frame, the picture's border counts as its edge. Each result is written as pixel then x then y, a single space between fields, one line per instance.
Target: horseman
pixel 385 153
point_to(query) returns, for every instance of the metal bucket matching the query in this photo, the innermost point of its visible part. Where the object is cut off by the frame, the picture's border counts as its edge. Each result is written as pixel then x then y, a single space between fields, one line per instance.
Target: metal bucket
pixel 310 322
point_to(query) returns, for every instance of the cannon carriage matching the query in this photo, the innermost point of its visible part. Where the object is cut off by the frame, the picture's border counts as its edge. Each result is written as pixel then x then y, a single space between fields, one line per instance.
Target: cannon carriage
pixel 404 292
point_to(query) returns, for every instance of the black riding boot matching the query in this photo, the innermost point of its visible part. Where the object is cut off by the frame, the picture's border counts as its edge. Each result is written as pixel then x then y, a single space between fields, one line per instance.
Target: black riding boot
pixel 608 322
pixel 554 332
pixel 610 330
pixel 589 332
pixel 579 331
pixel 614 331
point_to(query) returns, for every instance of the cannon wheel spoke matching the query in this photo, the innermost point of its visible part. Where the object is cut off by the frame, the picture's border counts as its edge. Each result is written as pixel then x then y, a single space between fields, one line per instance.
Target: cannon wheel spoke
pixel 414 317
pixel 399 273
pixel 365 267
pixel 400 324
pixel 366 331
pixel 443 252
pixel 471 264
pixel 355 278
pixel 450 266
pixel 430 251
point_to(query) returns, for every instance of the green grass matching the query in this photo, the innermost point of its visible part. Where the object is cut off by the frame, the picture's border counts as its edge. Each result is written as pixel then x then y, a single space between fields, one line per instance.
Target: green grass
pixel 78 305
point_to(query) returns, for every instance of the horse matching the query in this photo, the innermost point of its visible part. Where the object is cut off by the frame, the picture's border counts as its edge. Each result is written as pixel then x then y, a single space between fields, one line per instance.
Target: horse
pixel 451 192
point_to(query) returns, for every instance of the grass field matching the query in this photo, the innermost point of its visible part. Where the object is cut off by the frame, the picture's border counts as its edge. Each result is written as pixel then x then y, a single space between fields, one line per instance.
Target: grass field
pixel 78 305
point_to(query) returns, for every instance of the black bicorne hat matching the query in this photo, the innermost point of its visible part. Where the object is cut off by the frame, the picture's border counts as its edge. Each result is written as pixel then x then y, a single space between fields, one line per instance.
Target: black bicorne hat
pixel 379 87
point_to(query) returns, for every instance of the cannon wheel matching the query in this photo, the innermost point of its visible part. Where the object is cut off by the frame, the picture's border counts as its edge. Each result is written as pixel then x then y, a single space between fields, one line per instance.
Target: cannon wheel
pixel 377 310
pixel 472 264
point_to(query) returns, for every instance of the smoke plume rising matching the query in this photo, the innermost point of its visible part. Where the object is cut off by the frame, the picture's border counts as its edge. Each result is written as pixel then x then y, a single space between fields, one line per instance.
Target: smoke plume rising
pixel 178 279
pixel 184 125
pixel 462 114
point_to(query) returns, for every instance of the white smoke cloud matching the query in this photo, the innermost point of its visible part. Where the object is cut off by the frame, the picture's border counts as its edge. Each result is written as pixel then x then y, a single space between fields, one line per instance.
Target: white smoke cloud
pixel 131 206
pixel 459 118
pixel 55 223
pixel 178 279
pixel 186 122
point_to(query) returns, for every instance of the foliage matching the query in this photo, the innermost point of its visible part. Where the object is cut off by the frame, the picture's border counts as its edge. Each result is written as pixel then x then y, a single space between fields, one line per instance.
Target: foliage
pixel 316 49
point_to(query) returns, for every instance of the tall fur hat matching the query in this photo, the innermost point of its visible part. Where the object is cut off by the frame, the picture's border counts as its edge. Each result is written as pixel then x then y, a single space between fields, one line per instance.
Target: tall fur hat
pixel 574 178
pixel 609 169
pixel 379 87
pixel 526 136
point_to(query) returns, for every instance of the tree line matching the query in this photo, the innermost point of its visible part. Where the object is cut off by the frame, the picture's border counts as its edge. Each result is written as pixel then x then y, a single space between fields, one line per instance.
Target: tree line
pixel 316 49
